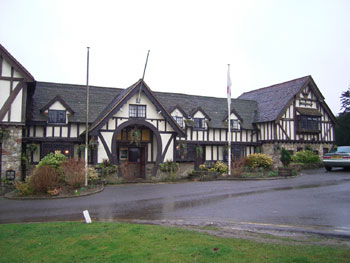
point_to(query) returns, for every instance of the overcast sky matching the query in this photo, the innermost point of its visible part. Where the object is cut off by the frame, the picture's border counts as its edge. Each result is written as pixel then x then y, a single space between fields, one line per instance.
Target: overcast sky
pixel 191 42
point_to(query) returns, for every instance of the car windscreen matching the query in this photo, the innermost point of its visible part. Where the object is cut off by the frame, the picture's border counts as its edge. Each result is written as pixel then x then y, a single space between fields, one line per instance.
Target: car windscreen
pixel 343 149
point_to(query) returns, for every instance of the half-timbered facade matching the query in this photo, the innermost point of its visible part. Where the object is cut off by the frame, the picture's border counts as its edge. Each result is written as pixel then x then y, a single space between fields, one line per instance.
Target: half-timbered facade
pixel 138 129
pixel 15 83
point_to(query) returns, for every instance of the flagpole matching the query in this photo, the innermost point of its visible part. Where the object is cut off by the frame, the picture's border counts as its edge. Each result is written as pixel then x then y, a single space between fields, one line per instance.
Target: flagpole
pixel 87 119
pixel 229 117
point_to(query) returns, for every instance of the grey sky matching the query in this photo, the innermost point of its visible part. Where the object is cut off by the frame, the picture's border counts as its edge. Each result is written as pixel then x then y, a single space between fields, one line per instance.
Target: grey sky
pixel 191 42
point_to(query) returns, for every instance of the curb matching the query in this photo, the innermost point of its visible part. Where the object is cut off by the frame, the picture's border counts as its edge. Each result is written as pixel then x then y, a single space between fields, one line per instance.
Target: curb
pixel 12 196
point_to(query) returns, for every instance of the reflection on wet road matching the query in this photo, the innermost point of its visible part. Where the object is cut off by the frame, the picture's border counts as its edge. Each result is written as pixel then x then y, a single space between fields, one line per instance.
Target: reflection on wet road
pixel 316 199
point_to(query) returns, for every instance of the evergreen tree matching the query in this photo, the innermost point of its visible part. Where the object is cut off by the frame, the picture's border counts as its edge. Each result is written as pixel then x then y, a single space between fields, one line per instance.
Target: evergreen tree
pixel 342 129
pixel 345 100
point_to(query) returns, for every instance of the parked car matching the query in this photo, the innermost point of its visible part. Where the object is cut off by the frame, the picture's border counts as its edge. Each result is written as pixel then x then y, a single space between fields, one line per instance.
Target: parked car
pixel 339 157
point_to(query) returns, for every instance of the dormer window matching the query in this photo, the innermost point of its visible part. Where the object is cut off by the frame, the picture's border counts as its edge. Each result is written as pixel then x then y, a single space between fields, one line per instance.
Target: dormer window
pixel 57 116
pixel 179 121
pixel 137 111
pixel 234 124
pixel 199 123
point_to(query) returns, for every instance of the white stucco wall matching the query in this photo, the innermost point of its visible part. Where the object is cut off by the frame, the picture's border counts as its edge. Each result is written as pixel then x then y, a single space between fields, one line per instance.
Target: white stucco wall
pixel 169 154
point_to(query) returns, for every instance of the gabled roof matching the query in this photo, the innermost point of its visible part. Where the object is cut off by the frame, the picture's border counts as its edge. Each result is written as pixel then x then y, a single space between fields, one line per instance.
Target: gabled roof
pixel 272 101
pixel 75 97
pixel 14 63
pixel 235 113
pixel 72 95
pixel 216 108
pixel 60 100
pixel 177 106
pixel 199 109
pixel 124 96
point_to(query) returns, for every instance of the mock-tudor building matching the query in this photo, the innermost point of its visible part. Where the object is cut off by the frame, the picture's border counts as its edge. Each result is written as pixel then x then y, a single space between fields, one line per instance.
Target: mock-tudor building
pixel 138 129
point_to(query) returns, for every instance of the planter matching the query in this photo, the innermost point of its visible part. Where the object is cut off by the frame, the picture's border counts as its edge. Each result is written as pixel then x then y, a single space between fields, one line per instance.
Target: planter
pixel 284 171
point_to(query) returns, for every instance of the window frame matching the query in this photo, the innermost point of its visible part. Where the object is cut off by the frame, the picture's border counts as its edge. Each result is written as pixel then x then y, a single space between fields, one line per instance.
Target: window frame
pixel 136 109
pixel 176 118
pixel 308 123
pixel 232 126
pixel 200 121
pixel 58 115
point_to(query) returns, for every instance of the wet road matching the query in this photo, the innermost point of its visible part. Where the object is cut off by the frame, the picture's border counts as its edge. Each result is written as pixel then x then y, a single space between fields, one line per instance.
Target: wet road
pixel 315 201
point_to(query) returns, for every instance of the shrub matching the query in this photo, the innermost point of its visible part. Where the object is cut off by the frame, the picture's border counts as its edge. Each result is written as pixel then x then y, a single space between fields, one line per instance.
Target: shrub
pixel 169 166
pixel 306 157
pixel 259 160
pixel 92 176
pixel 54 160
pixel 107 167
pixel 220 167
pixel 74 172
pixel 44 178
pixel 237 166
pixel 285 157
pixel 203 167
pixel 23 188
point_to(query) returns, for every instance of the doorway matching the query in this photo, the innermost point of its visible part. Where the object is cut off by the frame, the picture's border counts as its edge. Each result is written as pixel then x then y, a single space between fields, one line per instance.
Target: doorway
pixel 132 161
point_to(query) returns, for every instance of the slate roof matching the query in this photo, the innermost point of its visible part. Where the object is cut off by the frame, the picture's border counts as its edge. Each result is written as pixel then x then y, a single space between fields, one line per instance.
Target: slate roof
pixel 272 100
pixel 216 108
pixel 74 96
pixel 102 99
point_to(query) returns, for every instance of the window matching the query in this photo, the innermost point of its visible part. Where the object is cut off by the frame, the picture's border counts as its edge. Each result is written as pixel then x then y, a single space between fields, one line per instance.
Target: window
pixel 137 111
pixel 134 155
pixel 308 123
pixel 57 116
pixel 199 123
pixel 179 121
pixel 234 124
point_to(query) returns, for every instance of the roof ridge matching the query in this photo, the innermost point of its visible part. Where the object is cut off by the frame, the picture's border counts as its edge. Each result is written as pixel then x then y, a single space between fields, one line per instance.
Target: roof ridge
pixel 77 85
pixel 274 85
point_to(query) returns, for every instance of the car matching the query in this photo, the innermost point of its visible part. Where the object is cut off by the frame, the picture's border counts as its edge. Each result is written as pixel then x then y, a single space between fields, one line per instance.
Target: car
pixel 338 157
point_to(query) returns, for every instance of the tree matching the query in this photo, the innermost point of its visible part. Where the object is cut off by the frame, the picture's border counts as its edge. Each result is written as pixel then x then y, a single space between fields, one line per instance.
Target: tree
pixel 345 100
pixel 342 129
pixel 342 134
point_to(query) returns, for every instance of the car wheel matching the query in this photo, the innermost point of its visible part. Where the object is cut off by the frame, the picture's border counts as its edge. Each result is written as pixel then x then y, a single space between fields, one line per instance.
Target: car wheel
pixel 328 168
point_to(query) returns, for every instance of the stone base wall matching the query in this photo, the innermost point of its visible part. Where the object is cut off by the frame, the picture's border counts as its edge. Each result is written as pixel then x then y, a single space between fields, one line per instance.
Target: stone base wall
pixel 12 151
pixel 274 149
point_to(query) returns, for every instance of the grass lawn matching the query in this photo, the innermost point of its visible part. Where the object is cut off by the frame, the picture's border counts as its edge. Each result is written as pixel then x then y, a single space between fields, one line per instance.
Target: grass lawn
pixel 122 242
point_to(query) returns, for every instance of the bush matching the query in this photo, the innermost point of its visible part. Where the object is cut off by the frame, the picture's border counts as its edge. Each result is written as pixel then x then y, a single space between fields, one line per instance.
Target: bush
pixel 107 167
pixel 44 178
pixel 92 176
pixel 237 166
pixel 259 160
pixel 220 167
pixel 53 160
pixel 285 157
pixel 203 167
pixel 306 157
pixel 23 188
pixel 169 166
pixel 74 172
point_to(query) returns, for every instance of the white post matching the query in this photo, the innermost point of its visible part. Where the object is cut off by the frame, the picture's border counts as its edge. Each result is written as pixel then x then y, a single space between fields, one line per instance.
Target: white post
pixel 87 120
pixel 229 117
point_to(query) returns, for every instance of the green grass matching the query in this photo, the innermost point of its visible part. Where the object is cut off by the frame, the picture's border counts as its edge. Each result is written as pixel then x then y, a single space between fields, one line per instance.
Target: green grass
pixel 122 242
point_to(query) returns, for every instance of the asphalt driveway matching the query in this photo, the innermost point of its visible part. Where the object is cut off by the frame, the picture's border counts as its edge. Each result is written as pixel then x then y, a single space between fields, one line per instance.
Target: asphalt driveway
pixel 317 201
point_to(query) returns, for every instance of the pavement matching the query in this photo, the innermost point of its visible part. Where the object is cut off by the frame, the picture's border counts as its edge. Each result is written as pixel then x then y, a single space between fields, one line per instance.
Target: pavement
pixel 317 202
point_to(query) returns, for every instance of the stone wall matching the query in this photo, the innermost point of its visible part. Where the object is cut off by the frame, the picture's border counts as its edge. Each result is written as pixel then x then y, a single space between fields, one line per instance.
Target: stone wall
pixel 274 149
pixel 12 151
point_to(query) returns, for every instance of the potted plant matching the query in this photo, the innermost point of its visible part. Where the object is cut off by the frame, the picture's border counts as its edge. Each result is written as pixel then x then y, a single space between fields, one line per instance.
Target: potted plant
pixel 285 159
